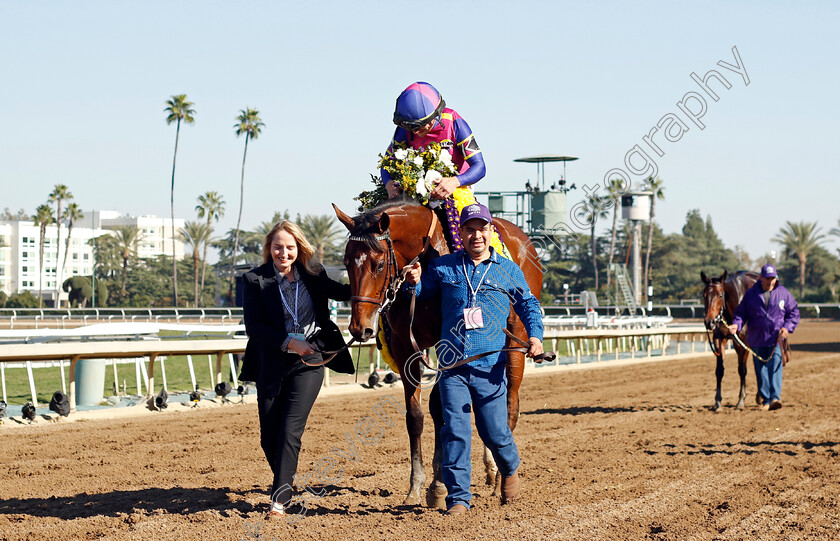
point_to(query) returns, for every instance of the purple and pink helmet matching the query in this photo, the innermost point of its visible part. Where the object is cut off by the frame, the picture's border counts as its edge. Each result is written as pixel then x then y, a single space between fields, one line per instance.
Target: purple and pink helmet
pixel 417 105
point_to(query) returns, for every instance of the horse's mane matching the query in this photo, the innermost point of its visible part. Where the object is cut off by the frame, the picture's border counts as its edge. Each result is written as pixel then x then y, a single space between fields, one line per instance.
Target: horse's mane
pixel 365 229
pixel 734 276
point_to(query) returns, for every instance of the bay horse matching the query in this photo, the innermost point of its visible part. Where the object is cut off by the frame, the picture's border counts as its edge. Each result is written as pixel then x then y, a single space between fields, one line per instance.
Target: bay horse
pixel 721 297
pixel 382 241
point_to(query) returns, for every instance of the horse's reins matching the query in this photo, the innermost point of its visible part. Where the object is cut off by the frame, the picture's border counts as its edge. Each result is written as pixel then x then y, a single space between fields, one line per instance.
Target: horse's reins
pixel 389 291
pixel 545 356
pixel 720 319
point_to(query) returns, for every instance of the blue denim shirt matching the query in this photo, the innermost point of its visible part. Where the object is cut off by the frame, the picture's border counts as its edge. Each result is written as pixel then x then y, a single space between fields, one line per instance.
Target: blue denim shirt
pixel 503 284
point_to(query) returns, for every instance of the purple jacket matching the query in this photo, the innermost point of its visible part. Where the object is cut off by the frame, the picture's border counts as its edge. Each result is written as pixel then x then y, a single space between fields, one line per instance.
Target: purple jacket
pixel 763 323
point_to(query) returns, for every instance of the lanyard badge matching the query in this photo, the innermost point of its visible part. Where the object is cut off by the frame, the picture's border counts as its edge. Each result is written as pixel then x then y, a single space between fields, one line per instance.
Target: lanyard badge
pixel 473 317
pixel 297 335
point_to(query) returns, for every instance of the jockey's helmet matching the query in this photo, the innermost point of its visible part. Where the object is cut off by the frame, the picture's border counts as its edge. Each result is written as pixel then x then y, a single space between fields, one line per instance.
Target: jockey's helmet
pixel 418 105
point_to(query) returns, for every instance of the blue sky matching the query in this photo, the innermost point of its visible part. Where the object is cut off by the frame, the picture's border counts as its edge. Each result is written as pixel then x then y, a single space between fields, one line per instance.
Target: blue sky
pixel 85 85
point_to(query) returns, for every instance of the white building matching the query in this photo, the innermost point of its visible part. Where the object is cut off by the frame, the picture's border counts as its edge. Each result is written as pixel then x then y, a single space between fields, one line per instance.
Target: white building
pixel 156 232
pixel 20 244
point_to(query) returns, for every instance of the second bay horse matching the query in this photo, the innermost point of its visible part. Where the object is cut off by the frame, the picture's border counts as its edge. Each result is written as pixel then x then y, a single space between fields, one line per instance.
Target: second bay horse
pixel 721 296
pixel 382 241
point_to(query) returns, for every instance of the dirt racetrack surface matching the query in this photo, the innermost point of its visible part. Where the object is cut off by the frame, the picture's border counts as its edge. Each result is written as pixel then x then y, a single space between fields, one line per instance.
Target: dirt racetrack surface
pixel 631 452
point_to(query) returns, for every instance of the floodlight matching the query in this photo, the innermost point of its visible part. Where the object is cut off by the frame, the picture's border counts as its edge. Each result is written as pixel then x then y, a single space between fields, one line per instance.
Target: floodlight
pixel 60 404
pixel 223 389
pixel 28 412
pixel 391 377
pixel 373 379
pixel 160 400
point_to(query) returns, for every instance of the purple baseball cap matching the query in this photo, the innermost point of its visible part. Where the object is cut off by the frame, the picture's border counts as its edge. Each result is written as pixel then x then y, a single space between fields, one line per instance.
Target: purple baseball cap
pixel 768 271
pixel 476 210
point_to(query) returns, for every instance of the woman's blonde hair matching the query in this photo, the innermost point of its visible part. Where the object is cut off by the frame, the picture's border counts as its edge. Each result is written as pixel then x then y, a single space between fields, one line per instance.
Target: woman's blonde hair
pixel 305 250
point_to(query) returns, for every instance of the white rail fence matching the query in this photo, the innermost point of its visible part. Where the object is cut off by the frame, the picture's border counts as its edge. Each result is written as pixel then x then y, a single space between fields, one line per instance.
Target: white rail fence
pixel 142 344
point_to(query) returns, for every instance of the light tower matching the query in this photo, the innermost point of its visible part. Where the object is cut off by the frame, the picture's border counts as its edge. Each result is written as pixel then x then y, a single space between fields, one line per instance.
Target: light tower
pixel 635 207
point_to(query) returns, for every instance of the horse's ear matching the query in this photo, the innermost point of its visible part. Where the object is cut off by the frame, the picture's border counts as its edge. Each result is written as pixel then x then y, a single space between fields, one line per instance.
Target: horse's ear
pixel 343 218
pixel 723 276
pixel 704 277
pixel 384 222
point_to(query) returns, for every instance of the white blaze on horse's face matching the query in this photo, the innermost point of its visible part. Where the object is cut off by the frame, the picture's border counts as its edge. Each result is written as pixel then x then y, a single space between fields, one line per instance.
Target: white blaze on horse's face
pixel 360 260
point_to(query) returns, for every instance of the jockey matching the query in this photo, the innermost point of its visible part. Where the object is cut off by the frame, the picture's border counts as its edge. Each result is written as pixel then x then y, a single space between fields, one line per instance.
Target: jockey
pixel 422 118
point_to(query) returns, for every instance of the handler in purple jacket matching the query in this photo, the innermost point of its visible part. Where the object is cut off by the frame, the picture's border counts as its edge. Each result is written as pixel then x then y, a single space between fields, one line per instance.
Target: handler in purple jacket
pixel 771 314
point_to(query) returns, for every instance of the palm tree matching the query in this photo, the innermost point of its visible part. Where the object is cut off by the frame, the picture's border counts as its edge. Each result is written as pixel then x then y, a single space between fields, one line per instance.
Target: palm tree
pixel 59 194
pixel 657 192
pixel 836 232
pixel 72 214
pixel 249 123
pixel 42 218
pixel 212 205
pixel 593 209
pixel 177 109
pixel 196 234
pixel 127 237
pixel 321 232
pixel 800 239
pixel 616 190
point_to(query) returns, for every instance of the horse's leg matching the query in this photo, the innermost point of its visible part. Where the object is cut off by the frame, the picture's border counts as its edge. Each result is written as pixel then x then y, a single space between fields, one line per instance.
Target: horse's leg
pixel 436 493
pixel 514 369
pixel 742 371
pixel 719 345
pixel 411 374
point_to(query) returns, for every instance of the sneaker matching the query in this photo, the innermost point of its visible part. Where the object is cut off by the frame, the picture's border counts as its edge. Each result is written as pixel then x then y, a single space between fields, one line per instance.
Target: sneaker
pixel 510 488
pixel 775 404
pixel 458 509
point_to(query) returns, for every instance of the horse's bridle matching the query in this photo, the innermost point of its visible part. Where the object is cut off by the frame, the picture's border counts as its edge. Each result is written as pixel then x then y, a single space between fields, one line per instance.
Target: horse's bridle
pixel 717 320
pixel 389 291
pixel 715 323
pixel 395 278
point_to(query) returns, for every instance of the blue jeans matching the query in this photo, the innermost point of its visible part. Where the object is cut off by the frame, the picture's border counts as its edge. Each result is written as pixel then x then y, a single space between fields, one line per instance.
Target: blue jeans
pixel 769 375
pixel 486 389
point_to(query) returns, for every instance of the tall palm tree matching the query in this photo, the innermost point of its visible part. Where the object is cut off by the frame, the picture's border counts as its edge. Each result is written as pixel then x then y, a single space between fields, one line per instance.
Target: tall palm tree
pixel 177 109
pixel 42 218
pixel 127 237
pixel 212 205
pixel 249 123
pixel 59 194
pixel 72 214
pixel 800 238
pixel 657 192
pixel 321 232
pixel 613 198
pixel 836 232
pixel 196 234
pixel 592 210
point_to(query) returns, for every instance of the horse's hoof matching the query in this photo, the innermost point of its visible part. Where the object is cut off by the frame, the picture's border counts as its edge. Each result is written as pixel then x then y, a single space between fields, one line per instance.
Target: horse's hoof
pixel 740 405
pixel 490 478
pixel 412 499
pixel 717 407
pixel 436 498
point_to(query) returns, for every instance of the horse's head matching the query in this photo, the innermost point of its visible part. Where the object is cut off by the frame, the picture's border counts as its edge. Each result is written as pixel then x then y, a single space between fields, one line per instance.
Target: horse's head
pixel 713 299
pixel 368 258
